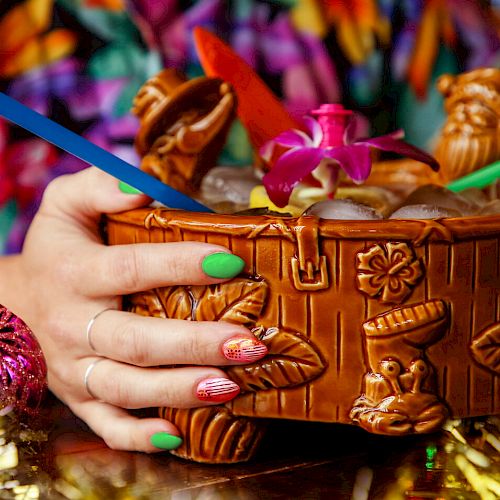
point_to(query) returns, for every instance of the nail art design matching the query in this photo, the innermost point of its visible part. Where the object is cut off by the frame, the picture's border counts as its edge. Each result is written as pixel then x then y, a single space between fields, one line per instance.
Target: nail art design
pixel 217 390
pixel 222 265
pixel 244 349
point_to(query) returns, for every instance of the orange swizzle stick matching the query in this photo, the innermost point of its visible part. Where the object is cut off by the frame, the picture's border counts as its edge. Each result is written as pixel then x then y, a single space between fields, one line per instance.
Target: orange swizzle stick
pixel 260 111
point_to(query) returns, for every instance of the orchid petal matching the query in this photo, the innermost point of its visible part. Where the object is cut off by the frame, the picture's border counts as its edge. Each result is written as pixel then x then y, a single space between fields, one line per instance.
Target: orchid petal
pixel 288 171
pixel 314 129
pixel 266 150
pixel 293 139
pixel 392 142
pixel 327 173
pixel 354 160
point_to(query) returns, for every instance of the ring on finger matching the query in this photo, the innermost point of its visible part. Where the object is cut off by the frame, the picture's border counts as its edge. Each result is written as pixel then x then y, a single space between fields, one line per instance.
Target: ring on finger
pixel 86 377
pixel 90 324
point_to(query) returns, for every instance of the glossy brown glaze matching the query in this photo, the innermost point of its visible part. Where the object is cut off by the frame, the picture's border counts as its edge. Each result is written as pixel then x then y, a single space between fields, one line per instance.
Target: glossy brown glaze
pixel 470 138
pixel 389 325
pixel 382 324
pixel 183 127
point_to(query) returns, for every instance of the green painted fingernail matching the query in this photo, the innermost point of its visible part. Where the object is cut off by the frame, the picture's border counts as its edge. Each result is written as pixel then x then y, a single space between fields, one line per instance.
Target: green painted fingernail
pixel 127 188
pixel 165 441
pixel 222 265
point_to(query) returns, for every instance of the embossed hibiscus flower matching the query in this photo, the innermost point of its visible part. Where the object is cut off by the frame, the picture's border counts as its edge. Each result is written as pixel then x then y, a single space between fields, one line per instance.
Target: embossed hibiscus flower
pixel 388 272
pixel 324 150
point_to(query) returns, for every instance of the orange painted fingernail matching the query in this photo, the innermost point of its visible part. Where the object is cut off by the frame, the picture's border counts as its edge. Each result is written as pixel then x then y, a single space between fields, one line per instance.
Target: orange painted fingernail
pixel 244 349
pixel 217 390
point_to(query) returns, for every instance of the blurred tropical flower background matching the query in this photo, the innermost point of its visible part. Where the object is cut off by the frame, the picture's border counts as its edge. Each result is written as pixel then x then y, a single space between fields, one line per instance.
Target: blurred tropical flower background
pixel 82 61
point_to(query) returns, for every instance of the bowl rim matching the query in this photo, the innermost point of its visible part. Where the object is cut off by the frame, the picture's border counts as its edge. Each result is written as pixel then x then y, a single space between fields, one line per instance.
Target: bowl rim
pixel 418 230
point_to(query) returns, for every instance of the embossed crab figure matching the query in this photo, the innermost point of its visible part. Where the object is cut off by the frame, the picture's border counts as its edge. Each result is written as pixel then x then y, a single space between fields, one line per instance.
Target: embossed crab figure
pixel 400 395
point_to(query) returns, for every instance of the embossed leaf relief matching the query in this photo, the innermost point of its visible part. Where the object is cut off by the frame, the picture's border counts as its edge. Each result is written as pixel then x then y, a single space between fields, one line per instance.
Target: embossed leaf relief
pixel 388 272
pixel 292 359
pixel 239 301
pixel 213 434
pixel 485 348
pixel 146 304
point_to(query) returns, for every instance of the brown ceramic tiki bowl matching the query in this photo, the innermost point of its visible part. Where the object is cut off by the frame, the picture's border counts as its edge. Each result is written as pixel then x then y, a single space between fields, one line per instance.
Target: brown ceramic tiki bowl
pixel 390 325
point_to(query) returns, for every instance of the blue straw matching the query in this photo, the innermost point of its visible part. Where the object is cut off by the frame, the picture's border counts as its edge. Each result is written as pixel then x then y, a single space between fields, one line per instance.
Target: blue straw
pixel 52 132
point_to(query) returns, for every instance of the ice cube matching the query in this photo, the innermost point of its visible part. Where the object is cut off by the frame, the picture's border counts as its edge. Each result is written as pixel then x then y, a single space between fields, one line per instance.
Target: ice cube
pixel 438 196
pixel 476 196
pixel 491 208
pixel 423 211
pixel 228 186
pixel 342 209
pixel 382 200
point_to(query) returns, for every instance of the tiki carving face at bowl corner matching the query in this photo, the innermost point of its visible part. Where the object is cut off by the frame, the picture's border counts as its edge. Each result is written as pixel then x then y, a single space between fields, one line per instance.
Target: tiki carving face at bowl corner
pixel 470 138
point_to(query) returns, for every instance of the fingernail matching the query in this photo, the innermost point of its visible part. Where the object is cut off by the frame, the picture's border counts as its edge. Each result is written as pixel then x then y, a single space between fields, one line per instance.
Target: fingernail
pixel 222 265
pixel 128 189
pixel 165 441
pixel 244 349
pixel 217 390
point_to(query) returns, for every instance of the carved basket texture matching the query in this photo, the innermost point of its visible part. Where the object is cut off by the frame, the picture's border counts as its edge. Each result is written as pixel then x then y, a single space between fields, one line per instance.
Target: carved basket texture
pixel 324 284
pixel 362 319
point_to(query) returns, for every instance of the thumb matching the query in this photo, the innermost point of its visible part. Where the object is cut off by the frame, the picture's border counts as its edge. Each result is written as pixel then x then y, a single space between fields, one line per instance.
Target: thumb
pixel 88 194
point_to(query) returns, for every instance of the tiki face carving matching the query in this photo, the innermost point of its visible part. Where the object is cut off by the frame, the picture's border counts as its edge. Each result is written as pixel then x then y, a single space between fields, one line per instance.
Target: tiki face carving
pixel 183 127
pixel 470 137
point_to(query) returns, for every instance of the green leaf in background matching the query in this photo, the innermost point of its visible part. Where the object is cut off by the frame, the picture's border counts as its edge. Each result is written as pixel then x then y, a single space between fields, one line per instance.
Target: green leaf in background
pixel 238 150
pixel 7 216
pixel 105 24
pixel 421 119
pixel 365 80
pixel 149 66
pixel 117 60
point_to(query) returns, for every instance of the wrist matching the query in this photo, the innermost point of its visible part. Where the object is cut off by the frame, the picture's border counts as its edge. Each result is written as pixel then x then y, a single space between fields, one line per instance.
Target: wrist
pixel 12 289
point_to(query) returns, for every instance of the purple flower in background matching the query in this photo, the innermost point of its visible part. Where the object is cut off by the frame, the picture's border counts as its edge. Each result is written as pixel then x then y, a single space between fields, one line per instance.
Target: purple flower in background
pixel 37 87
pixel 165 27
pixel 324 150
pixel 308 72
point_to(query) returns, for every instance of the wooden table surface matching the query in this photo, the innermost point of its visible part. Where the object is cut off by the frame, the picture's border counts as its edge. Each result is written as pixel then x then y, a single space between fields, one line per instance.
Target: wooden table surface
pixel 60 458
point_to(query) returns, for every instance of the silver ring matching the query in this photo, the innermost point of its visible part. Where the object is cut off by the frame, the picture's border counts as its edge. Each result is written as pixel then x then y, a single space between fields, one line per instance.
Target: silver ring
pixel 86 377
pixel 90 324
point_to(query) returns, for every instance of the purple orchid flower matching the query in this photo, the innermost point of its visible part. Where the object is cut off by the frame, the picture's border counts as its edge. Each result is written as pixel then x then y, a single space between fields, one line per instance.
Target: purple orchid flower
pixel 308 154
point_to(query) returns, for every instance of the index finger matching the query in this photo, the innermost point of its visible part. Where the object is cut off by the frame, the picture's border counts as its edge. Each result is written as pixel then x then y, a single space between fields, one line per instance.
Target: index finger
pixel 125 269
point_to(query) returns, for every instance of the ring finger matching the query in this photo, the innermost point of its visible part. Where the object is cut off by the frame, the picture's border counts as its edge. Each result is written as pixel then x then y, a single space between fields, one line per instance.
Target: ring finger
pixel 145 341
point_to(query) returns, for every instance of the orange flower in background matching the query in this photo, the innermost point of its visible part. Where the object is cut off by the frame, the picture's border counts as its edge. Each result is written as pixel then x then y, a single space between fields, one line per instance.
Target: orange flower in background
pixel 358 23
pixel 25 45
pixel 115 5
pixel 435 25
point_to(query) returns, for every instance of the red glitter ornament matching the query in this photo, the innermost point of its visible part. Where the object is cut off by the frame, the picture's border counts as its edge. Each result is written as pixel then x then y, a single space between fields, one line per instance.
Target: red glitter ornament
pixel 23 371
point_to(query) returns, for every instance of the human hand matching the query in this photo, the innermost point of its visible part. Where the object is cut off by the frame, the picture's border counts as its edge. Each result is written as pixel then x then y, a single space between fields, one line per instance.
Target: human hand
pixel 66 276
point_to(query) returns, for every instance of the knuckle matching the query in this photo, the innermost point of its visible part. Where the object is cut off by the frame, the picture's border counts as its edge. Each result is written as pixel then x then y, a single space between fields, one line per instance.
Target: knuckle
pixel 126 270
pixel 67 271
pixel 53 190
pixel 132 441
pixel 174 396
pixel 192 350
pixel 57 328
pixel 177 270
pixel 136 345
pixel 120 389
pixel 114 442
pixel 61 372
